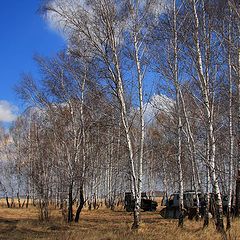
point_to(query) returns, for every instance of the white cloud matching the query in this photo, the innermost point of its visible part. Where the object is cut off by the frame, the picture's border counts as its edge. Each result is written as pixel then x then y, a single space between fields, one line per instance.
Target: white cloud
pixel 7 111
pixel 69 13
pixel 65 9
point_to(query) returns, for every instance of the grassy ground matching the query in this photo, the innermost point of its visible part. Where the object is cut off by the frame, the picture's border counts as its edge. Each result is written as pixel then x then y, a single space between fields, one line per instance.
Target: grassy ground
pixel 102 224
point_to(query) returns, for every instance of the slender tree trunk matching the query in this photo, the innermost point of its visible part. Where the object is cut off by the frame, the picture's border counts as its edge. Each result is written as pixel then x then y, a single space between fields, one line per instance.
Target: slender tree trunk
pixel 7 201
pixel 207 202
pixel 70 202
pixel 179 118
pixel 19 201
pixel 81 204
pixel 27 202
pixel 216 189
pixel 142 131
pixel 209 110
pixel 180 174
pixel 165 182
pixel 124 118
pixel 237 211
pixel 230 189
pixel 45 208
pixel 207 194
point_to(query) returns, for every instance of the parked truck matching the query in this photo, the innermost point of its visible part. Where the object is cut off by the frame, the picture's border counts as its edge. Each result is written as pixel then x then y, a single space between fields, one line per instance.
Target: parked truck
pixel 171 204
pixel 147 204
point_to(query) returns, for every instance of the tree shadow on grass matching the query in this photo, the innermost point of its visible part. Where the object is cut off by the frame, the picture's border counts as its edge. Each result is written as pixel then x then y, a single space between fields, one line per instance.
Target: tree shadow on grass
pixel 19 234
pixel 12 229
pixel 7 226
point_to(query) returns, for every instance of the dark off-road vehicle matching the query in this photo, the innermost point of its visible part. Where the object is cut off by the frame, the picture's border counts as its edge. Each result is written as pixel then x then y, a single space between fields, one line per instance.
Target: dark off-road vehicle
pixel 172 205
pixel 146 203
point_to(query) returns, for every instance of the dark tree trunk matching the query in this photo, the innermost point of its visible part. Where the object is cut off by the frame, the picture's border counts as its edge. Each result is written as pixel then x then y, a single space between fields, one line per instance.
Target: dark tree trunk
pixel 81 204
pixel 8 204
pixel 206 212
pixel 228 218
pixel 19 201
pixel 70 203
pixel 27 201
pixel 89 205
pixel 94 202
pixel 237 205
pixel 46 203
pixel 181 216
pixel 206 218
pixel 12 202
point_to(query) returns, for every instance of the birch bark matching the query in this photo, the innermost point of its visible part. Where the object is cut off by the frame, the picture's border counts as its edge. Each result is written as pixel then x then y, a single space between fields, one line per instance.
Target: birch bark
pixel 178 110
pixel 231 137
pixel 209 114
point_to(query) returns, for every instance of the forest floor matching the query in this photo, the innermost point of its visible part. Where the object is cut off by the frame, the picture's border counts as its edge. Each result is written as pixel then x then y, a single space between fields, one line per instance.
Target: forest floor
pixel 103 224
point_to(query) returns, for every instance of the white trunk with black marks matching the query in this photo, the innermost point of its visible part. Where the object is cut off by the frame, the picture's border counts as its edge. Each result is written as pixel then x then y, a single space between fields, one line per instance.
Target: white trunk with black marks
pixel 124 117
pixel 178 110
pixel 123 109
pixel 118 81
pixel 83 127
pixel 207 194
pixel 209 108
pixel 238 138
pixel 180 172
pixel 140 76
pixel 231 137
pixel 83 149
pixel 142 124
pixel 216 189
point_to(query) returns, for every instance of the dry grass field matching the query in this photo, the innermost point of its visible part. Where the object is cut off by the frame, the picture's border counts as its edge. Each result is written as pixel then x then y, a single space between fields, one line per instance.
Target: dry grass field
pixel 102 224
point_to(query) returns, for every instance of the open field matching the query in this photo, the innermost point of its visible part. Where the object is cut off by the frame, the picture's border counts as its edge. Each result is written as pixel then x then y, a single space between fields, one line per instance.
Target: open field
pixel 102 224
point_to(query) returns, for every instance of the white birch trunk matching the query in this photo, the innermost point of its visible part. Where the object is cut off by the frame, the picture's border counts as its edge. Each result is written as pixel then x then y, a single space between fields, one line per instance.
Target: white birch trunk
pixel 231 138
pixel 83 149
pixel 238 138
pixel 179 118
pixel 207 194
pixel 124 118
pixel 204 85
pixel 142 127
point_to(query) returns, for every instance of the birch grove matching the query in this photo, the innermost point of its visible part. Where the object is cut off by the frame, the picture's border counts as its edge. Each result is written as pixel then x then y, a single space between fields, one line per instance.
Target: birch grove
pixel 144 98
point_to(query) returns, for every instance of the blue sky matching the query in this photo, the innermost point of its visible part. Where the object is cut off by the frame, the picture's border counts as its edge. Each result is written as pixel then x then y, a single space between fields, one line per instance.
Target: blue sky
pixel 23 34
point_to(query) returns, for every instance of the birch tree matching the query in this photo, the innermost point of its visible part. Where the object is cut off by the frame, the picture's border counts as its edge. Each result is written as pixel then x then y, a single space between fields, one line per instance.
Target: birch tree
pixel 170 70
pixel 208 99
pixel 102 27
pixel 231 138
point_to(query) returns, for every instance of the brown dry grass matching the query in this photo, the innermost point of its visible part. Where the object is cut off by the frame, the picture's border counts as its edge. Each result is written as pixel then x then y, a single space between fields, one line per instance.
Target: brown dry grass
pixel 103 224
